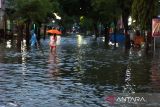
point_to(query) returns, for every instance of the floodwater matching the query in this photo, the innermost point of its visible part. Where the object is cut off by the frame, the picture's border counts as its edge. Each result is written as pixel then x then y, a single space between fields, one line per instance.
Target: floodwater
pixel 81 72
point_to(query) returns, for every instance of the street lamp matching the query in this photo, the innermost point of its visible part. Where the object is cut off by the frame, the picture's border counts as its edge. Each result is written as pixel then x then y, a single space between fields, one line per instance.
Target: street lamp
pixel 57 17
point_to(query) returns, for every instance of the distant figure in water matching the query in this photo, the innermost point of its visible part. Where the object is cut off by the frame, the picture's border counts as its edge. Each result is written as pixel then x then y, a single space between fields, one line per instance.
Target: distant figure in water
pixel 33 40
pixel 138 40
pixel 52 43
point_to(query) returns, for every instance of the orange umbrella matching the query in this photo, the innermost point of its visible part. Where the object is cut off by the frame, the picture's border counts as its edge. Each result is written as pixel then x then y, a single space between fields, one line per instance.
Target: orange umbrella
pixel 54 31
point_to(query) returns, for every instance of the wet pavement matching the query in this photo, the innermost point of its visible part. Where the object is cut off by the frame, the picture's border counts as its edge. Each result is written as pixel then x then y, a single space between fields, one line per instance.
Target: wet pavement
pixel 81 72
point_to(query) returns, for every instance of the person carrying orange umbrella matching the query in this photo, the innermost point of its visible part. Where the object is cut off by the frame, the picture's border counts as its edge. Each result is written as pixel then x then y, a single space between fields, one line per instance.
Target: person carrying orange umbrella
pixel 53 39
pixel 52 42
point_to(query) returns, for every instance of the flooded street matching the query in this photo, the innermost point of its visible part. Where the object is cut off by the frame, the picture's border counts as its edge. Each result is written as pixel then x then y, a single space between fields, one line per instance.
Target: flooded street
pixel 81 73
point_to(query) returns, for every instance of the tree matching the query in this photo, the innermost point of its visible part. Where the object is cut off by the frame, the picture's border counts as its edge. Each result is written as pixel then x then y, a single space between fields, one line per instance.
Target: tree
pixel 107 11
pixel 86 24
pixel 31 11
pixel 126 12
pixel 72 10
pixel 143 11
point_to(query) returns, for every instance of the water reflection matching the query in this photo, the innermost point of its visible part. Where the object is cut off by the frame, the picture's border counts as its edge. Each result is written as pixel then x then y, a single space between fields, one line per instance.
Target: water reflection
pixel 53 63
pixel 155 73
pixel 24 56
pixel 80 40
pixel 128 88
